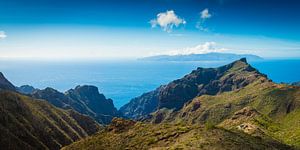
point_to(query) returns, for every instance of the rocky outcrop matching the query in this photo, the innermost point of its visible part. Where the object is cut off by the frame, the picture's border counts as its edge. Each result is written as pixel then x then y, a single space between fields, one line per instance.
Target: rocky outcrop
pixel 142 105
pixel 94 102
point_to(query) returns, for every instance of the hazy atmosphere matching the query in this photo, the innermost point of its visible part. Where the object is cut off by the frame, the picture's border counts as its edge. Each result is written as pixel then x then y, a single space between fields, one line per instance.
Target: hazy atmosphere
pixel 150 74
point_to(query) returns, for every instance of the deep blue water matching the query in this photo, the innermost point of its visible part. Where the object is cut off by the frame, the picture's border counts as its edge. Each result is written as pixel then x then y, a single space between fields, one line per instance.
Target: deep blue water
pixel 123 80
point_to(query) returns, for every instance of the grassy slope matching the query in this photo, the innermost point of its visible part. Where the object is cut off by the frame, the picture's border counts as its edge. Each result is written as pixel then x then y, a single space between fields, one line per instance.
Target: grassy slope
pixel 33 124
pixel 278 107
pixel 173 136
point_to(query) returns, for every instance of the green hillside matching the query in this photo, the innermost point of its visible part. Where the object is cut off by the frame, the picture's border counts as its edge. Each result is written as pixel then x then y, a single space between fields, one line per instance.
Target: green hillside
pixel 27 123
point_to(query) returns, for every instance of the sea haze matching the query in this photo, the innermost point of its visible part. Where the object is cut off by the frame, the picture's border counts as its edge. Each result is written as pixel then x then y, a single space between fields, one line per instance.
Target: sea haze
pixel 123 80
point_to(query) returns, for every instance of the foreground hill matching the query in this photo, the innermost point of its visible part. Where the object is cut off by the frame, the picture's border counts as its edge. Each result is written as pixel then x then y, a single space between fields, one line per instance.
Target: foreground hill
pixel 122 134
pixel 230 107
pixel 27 123
pixel 202 57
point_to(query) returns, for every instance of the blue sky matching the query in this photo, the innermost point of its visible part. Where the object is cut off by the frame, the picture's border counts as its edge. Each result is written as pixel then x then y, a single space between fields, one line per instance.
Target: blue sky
pixel 69 29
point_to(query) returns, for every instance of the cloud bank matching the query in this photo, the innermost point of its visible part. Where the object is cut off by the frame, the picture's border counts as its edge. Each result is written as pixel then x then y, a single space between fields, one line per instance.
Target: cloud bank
pixel 2 35
pixel 167 20
pixel 207 47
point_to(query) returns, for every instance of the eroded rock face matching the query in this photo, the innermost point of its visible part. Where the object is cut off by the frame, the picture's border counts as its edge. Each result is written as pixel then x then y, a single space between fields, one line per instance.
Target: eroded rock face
pixel 210 81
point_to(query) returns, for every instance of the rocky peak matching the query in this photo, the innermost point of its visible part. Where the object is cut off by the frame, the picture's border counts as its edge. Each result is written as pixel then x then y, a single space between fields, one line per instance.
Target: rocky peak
pixel 89 92
pixel 5 84
pixel 96 102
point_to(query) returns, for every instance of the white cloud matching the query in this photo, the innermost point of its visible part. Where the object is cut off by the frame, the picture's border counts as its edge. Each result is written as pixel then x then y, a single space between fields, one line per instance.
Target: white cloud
pixel 205 14
pixel 2 35
pixel 167 20
pixel 207 47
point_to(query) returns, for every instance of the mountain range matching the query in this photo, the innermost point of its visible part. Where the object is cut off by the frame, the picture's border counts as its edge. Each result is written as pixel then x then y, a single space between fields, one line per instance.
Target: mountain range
pixel 230 107
pixel 203 57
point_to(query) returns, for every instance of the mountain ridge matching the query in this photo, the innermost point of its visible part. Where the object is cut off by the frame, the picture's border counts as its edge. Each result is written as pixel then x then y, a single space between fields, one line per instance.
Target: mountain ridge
pixel 201 81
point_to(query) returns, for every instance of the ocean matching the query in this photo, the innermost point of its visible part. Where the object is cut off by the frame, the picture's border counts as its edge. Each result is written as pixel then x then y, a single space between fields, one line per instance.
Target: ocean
pixel 124 80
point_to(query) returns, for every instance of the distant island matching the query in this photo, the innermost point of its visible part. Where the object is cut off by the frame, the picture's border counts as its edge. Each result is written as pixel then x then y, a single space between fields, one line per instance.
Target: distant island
pixel 203 57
